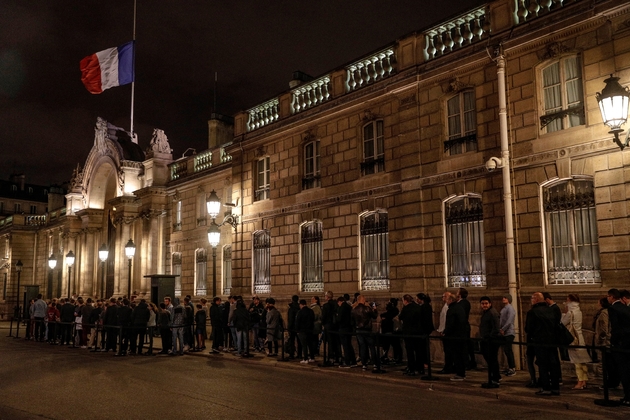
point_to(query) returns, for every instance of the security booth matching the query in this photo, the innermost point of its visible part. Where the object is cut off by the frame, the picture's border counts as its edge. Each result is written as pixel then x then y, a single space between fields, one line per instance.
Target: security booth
pixel 30 293
pixel 161 285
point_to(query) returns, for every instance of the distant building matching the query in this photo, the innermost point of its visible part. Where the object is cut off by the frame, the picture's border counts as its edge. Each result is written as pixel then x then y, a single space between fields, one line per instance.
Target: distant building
pixel 374 176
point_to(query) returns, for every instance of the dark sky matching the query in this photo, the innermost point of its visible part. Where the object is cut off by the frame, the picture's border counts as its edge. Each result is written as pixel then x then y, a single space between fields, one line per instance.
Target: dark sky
pixel 47 117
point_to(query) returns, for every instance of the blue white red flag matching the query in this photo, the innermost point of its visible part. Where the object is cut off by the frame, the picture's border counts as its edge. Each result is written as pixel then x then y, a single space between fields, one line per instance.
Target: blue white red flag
pixel 108 68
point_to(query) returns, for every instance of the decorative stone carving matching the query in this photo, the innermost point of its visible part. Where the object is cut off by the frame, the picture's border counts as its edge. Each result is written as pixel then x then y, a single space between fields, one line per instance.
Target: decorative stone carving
pixel 455 85
pixel 554 49
pixel 159 142
pixel 77 178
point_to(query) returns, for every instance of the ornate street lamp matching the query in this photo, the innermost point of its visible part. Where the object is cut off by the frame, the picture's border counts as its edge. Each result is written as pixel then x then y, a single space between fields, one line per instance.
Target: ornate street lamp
pixel 613 104
pixel 213 204
pixel 18 269
pixel 130 251
pixel 52 263
pixel 70 262
pixel 214 233
pixel 103 253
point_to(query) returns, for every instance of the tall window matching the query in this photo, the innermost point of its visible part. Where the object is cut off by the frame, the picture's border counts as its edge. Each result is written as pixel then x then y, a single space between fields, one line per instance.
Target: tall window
pixel 262 262
pixel 176 270
pixel 177 224
pixel 227 269
pixel 373 149
pixel 465 257
pixel 18 207
pixel 462 124
pixel 563 102
pixel 571 232
pixel 33 209
pixel 201 259
pixel 262 179
pixel 311 165
pixel 312 256
pixel 374 250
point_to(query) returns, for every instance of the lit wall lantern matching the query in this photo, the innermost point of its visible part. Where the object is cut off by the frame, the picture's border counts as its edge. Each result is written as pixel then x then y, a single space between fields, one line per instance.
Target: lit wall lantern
pixel 613 104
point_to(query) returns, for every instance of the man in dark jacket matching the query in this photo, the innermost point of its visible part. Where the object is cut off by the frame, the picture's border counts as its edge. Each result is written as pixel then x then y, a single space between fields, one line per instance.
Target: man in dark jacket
pixel 619 315
pixel 343 331
pixel 241 323
pixel 139 318
pixel 540 326
pixel 66 318
pixel 216 320
pixel 124 322
pixel 362 315
pixel 304 324
pixel 110 322
pixel 329 326
pixel 489 326
pixel 294 308
pixel 456 336
pixel 462 299
pixel 411 316
pixel 426 327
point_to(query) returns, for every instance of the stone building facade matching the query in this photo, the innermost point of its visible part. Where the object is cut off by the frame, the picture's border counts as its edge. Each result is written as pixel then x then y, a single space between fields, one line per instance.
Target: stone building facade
pixel 375 176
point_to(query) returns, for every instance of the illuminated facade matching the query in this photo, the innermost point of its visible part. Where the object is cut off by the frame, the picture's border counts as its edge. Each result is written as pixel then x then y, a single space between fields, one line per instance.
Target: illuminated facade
pixel 373 177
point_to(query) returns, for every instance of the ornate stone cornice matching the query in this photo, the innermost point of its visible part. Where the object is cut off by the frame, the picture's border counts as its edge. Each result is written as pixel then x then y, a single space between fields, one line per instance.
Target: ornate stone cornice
pixel 453 176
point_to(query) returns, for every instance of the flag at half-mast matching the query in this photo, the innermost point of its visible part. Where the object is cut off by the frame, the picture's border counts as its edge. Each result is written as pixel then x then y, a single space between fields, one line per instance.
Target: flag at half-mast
pixel 108 68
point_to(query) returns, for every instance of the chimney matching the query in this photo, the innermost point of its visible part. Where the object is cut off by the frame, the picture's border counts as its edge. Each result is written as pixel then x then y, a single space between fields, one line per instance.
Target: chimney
pixel 299 77
pixel 19 179
pixel 220 130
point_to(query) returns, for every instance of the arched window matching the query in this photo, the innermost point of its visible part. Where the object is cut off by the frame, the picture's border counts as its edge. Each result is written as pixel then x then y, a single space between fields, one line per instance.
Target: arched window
pixel 262 262
pixel 374 250
pixel 312 256
pixel 201 271
pixel 571 240
pixel 465 256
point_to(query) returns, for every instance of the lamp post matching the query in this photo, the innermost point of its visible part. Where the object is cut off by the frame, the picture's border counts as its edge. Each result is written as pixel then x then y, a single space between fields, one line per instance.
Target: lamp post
pixel 130 251
pixel 18 269
pixel 613 104
pixel 70 262
pixel 103 253
pixel 214 236
pixel 52 263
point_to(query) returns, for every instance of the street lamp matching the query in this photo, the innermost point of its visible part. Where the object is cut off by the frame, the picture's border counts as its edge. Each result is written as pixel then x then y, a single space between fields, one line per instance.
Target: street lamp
pixel 613 104
pixel 213 204
pixel 214 236
pixel 130 251
pixel 18 268
pixel 70 262
pixel 103 253
pixel 52 263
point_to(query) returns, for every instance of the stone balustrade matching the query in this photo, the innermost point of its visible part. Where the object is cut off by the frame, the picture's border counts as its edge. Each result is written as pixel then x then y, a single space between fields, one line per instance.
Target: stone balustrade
pixel 35 220
pixel 179 169
pixel 530 9
pixel 203 161
pixel 225 156
pixel 310 94
pixel 464 30
pixel 370 69
pixel 263 114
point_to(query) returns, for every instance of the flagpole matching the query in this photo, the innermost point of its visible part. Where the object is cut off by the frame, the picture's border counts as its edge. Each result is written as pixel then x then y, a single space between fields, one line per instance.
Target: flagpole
pixel 133 67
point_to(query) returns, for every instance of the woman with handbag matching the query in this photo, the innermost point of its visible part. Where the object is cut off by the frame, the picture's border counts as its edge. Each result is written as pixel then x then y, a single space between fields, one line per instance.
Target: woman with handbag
pixel 572 318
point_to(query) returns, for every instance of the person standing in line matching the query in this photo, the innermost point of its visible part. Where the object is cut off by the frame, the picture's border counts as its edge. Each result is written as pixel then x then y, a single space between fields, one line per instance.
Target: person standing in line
pixel 200 326
pixel 506 329
pixel 216 321
pixel 411 317
pixel 462 299
pixel 448 359
pixel 52 316
pixel 139 319
pixel 540 326
pixel 601 338
pixel 489 332
pixel 329 326
pixel 67 317
pixel 363 316
pixel 390 337
pixel 241 323
pixel 110 320
pixel 124 314
pixel 151 325
pixel 317 326
pixel 179 324
pixel 274 328
pixel 95 324
pixel 573 318
pixel 304 325
pixel 343 330
pixel 166 334
pixel 294 308
pixel 426 328
pixel 39 314
pixel 619 317
pixel 456 337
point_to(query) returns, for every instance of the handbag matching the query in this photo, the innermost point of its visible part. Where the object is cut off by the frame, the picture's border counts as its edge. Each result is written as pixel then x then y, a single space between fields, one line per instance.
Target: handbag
pixel 564 336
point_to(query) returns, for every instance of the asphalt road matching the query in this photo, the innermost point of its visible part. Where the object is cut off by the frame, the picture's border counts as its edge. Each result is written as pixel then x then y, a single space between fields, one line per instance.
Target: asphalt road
pixel 51 382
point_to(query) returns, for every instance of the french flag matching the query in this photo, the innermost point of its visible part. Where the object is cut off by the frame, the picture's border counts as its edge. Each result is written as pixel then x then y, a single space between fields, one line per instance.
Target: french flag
pixel 108 68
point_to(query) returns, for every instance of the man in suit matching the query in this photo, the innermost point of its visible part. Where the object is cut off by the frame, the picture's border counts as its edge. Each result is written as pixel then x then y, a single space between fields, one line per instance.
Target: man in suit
pixel 619 316
pixel 456 336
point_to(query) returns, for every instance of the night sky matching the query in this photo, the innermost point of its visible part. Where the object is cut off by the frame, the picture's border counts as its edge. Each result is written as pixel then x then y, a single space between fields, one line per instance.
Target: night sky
pixel 47 116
